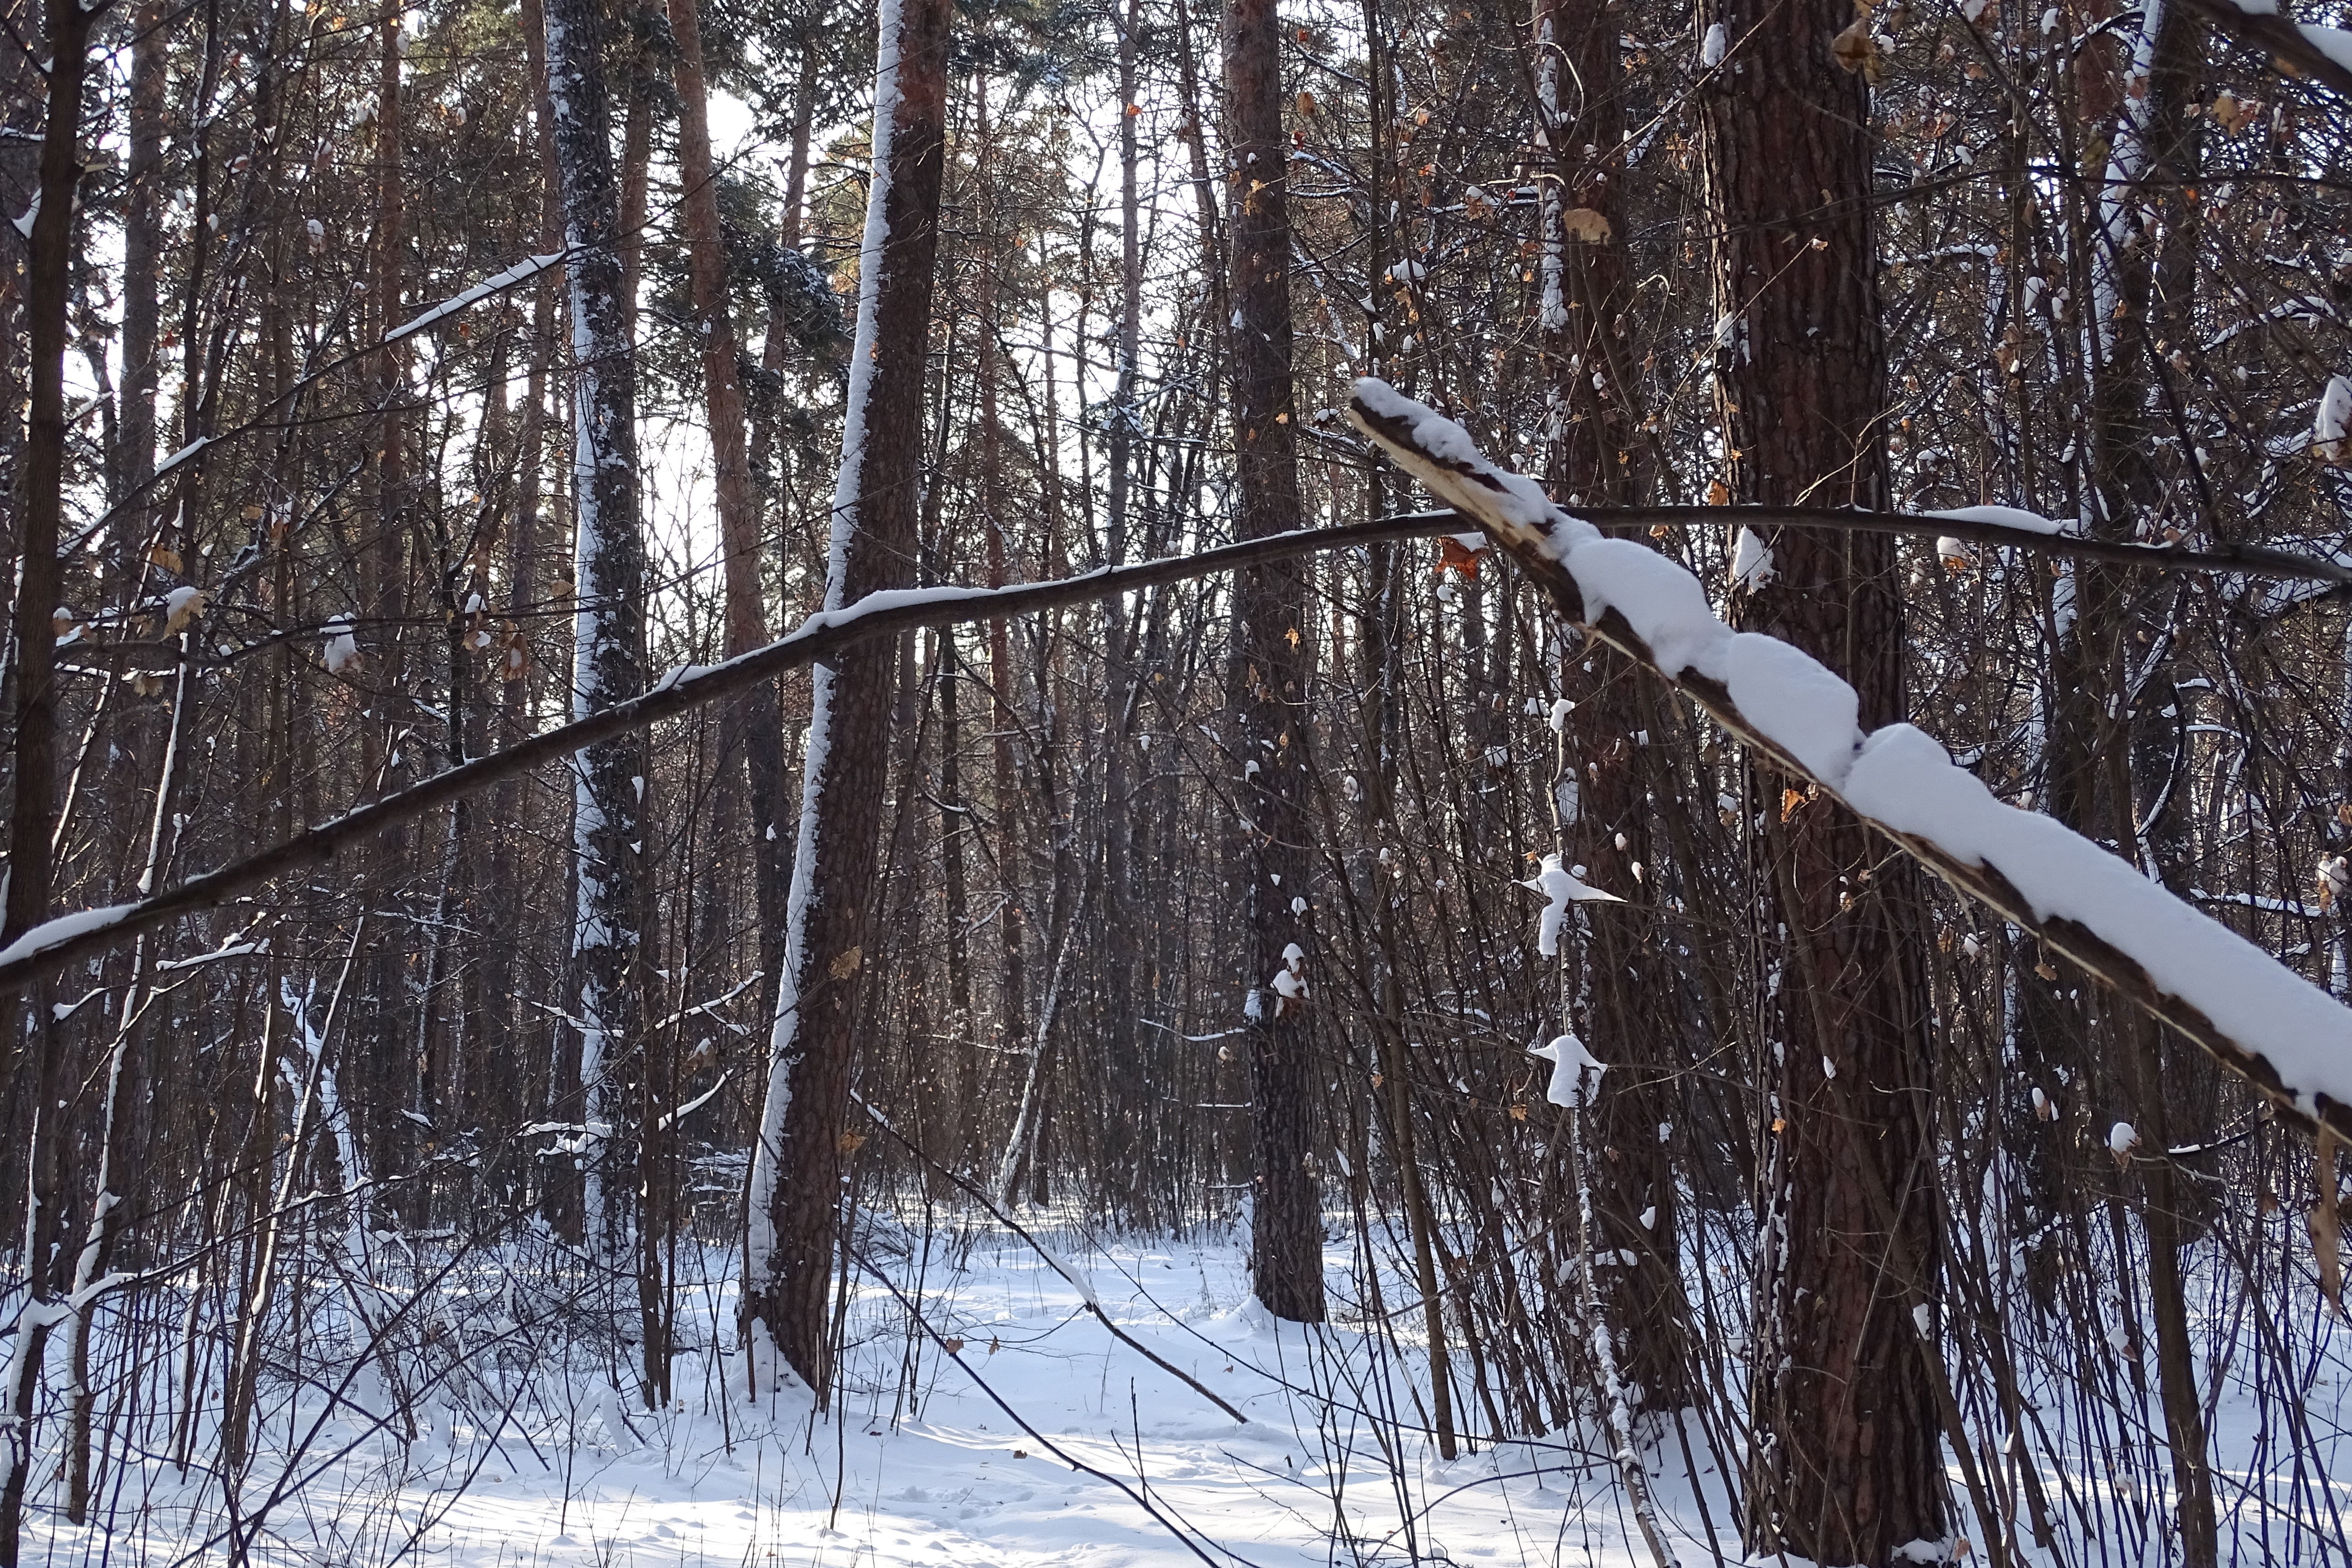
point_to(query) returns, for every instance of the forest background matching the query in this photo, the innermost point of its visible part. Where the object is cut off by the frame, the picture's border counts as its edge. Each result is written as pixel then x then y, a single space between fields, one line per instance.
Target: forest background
pixel 389 390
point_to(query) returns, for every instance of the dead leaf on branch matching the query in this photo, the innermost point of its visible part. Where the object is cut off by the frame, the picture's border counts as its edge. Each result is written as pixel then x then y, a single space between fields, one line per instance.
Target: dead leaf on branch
pixel 1856 51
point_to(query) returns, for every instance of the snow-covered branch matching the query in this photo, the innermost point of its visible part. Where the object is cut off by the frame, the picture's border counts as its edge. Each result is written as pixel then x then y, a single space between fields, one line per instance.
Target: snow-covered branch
pixel 57 943
pixel 2257 1017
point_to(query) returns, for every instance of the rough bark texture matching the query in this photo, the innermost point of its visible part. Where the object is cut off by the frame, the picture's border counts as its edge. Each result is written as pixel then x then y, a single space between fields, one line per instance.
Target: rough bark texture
pixel 1846 1465
pixel 1603 797
pixel 757 721
pixel 1273 665
pixel 608 570
pixel 33 808
pixel 795 1183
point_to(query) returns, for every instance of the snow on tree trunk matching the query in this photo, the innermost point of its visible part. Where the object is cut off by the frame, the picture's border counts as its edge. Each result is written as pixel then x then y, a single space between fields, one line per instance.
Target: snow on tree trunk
pixel 608 587
pixel 1602 794
pixel 1273 666
pixel 795 1173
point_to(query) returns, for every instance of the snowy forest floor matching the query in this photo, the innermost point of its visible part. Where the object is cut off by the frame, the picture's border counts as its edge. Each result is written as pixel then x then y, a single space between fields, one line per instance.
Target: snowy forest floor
pixel 512 1464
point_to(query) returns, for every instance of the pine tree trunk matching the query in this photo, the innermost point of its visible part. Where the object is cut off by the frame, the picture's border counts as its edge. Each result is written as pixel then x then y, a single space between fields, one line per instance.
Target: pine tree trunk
pixel 756 722
pixel 142 264
pixel 1268 686
pixel 32 687
pixel 1846 1464
pixel 795 1179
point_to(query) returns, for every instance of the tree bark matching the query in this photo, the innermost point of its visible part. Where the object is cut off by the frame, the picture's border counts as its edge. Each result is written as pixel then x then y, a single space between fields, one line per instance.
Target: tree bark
pixel 1272 669
pixel 1601 798
pixel 608 587
pixel 32 683
pixel 796 1177
pixel 757 720
pixel 1846 1463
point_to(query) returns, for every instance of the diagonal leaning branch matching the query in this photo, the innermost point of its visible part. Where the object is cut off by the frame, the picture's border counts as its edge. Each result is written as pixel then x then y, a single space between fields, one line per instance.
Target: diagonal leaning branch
pixel 2255 1016
pixel 47 948
pixel 86 933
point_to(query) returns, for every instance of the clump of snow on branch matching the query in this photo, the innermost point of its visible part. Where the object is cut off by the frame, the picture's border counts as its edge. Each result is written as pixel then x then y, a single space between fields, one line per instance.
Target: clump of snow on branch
pixel 2331 431
pixel 1561 888
pixel 1289 982
pixel 1575 1074
pixel 1751 562
pixel 343 647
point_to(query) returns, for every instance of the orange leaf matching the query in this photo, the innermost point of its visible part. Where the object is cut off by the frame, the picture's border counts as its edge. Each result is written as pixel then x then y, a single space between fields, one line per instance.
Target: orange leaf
pixel 1455 556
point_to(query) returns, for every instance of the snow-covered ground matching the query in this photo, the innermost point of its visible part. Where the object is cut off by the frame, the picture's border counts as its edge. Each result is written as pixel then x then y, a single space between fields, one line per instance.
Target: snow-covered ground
pixel 1041 1440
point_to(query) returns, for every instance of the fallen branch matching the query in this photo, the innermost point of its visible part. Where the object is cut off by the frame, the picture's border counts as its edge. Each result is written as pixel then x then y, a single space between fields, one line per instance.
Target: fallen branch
pixel 2255 1016
pixel 50 947
pixel 2297 49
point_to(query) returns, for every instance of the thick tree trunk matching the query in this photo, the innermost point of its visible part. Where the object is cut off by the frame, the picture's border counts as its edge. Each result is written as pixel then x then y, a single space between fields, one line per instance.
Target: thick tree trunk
pixel 1846 1465
pixel 757 721
pixel 1266 689
pixel 608 587
pixel 32 685
pixel 795 1176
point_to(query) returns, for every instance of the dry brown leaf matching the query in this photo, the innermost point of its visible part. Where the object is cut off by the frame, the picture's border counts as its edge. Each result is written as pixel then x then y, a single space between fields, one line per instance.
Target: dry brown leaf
pixel 187 607
pixel 165 557
pixel 1718 493
pixel 1856 50
pixel 851 1143
pixel 846 964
